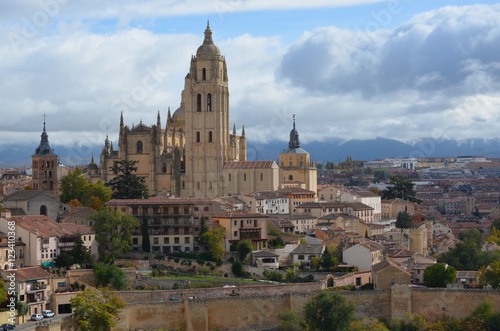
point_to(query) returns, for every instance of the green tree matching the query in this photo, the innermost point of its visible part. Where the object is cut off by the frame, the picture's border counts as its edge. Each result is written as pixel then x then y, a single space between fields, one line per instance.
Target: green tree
pixel 328 259
pixel 203 229
pixel 484 316
pixel 113 233
pixel 100 191
pixel 402 188
pixel 290 321
pixel 403 221
pixel 438 275
pixel 22 308
pixel 74 186
pixel 328 311
pixel 490 275
pixel 126 184
pixel 63 260
pixel 367 324
pixel 237 269
pixel 316 262
pixel 244 248
pixel 81 254
pixel 215 240
pixel 96 309
pixel 146 244
pixel 110 275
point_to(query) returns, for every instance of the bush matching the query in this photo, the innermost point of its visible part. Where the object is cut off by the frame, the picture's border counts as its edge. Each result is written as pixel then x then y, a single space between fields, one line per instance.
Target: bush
pixel 275 276
pixel 237 269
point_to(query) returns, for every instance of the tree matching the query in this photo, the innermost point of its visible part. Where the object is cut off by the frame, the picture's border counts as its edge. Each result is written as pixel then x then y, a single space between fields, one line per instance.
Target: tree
pixel 490 275
pixel 63 260
pixel 110 275
pixel 96 309
pixel 146 244
pixel 203 229
pixel 244 248
pixel 328 259
pixel 237 269
pixel 316 262
pixel 74 186
pixel 289 321
pixel 367 324
pixel 438 275
pixel 3 292
pixel 22 308
pixel 328 311
pixel 215 239
pixel 80 253
pixel 403 221
pixel 113 233
pixel 402 188
pixel 126 184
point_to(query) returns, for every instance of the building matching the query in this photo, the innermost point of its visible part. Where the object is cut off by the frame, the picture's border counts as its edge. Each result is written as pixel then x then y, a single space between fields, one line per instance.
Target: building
pixel 8 258
pixel 363 255
pixel 32 285
pixel 34 202
pixel 265 203
pixel 243 226
pixel 196 155
pixel 44 164
pixel 303 254
pixel 173 224
pixel 387 273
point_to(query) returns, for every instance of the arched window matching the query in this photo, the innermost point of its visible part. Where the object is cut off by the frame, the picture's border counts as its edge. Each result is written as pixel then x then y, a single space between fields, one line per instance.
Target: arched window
pixel 209 102
pixel 50 174
pixel 229 177
pixel 261 177
pixel 198 102
pixel 198 185
pixel 44 185
pixel 139 146
pixel 43 210
pixel 197 136
pixel 290 177
pixel 290 164
pixel 164 167
pixel 204 73
pixel 210 137
pixel 301 163
pixel 244 177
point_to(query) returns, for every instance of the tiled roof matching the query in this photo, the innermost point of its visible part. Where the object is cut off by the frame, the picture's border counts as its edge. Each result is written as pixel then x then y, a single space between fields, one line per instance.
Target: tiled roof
pixel 238 214
pixel 30 273
pixel 466 274
pixel 385 264
pixel 46 227
pixel 264 254
pixel 26 195
pixel 294 190
pixel 249 164
pixel 308 249
pixel 155 201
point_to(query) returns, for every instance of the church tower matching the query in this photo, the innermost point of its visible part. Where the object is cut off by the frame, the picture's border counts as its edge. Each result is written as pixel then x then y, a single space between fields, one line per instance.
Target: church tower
pixel 209 142
pixel 44 165
pixel 297 169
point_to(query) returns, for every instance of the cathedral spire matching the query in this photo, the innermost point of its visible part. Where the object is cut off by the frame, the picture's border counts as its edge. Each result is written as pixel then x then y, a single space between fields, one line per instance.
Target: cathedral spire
pixel 234 129
pixel 243 131
pixel 158 123
pixel 294 136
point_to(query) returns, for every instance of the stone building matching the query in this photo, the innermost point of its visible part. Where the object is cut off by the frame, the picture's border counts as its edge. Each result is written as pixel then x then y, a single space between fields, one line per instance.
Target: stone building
pixel 45 163
pixel 195 155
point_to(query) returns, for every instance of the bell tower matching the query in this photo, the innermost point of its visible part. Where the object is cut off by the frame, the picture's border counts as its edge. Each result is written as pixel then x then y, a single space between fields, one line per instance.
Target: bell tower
pixel 208 137
pixel 44 165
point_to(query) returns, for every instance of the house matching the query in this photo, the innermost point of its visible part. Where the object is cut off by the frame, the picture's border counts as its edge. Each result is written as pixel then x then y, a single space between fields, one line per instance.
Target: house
pixel 32 285
pixel 387 273
pixel 297 196
pixel 303 254
pixel 11 257
pixel 391 208
pixel 265 260
pixel 281 225
pixel 363 255
pixel 243 226
pixel 45 239
pixel 266 203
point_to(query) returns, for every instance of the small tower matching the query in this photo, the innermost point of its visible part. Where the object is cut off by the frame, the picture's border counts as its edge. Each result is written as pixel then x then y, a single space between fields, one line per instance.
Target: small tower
pixel 44 165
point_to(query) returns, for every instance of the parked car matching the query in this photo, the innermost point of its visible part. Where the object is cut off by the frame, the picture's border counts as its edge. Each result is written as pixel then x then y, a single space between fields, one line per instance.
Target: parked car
pixel 47 313
pixel 7 326
pixel 36 317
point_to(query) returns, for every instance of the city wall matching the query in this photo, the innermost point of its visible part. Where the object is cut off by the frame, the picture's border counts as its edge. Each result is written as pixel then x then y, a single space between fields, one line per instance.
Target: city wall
pixel 212 309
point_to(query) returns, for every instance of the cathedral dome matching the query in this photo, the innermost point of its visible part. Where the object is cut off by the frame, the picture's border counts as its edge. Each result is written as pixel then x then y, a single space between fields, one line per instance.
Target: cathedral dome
pixel 178 114
pixel 208 47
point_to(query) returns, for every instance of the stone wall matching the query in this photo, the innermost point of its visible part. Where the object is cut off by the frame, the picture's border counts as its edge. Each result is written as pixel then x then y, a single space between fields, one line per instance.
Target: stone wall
pixel 65 323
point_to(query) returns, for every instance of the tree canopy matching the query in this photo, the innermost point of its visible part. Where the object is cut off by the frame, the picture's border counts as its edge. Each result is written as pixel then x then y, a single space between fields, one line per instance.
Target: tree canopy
pixel 214 238
pixel 244 248
pixel 110 275
pixel 438 275
pixel 490 275
pixel 75 187
pixel 404 221
pixel 113 233
pixel 328 258
pixel 328 311
pixel 401 188
pixel 126 184
pixel 96 309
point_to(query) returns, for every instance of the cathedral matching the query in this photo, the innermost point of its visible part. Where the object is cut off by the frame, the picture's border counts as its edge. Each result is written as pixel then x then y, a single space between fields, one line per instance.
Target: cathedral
pixel 196 155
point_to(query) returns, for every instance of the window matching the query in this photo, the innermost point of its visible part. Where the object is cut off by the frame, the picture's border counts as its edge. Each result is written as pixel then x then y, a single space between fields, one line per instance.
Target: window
pixel 155 241
pixel 236 233
pixel 166 240
pixel 229 177
pixel 301 257
pixel 205 208
pixel 210 137
pixel 204 73
pixel 176 240
pixel 139 146
pixel 244 177
pixel 187 240
pixel 198 102
pixel 261 177
pixel 209 102
pixel 61 284
pixel 290 177
pixel 290 164
pixel 164 168
pixel 135 241
pixel 197 136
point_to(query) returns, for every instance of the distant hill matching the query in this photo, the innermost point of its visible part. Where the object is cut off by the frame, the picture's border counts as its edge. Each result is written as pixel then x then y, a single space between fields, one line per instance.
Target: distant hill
pixel 12 156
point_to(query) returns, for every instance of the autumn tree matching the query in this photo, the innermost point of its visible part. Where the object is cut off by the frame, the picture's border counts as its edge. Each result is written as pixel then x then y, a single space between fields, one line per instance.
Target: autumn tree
pixel 113 233
pixel 76 190
pixel 126 184
pixel 96 309
pixel 214 238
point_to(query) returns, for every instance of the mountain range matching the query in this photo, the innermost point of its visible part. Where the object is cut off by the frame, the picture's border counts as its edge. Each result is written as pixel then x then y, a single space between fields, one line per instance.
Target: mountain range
pixel 15 156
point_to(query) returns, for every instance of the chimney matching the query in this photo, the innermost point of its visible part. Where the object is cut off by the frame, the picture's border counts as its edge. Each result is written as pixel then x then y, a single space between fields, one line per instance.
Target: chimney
pixel 6 213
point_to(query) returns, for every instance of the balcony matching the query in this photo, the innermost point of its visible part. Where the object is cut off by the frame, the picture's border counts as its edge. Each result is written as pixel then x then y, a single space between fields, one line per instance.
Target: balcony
pixel 30 287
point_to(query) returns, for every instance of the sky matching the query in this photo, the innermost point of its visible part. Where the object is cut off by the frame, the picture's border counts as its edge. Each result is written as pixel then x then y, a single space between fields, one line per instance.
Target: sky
pixel 347 69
